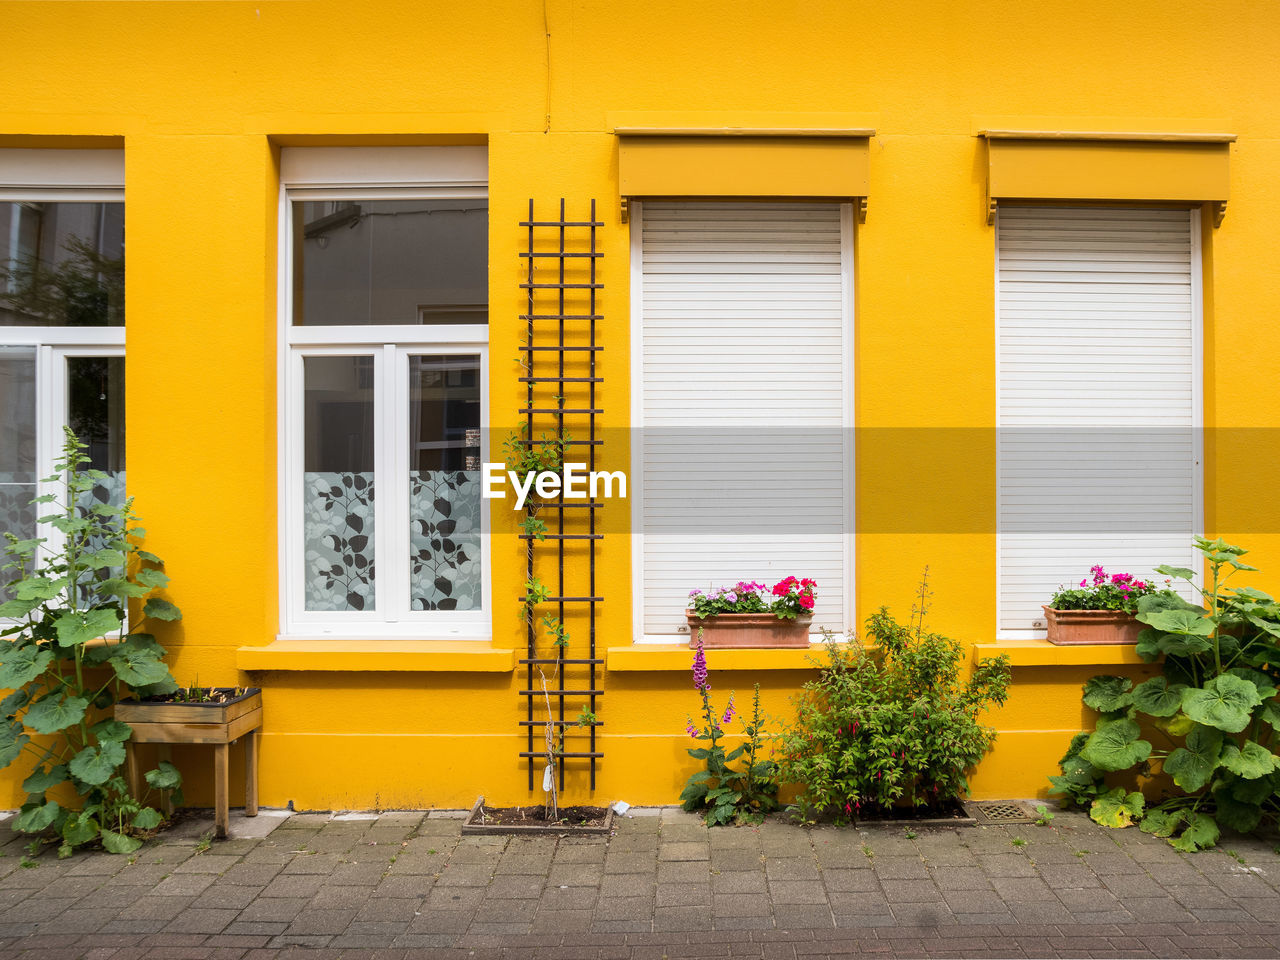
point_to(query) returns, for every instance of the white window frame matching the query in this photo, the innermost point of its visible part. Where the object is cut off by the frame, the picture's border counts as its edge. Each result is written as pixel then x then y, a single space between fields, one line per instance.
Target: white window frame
pixel 1197 414
pixel 59 176
pixel 360 173
pixel 849 540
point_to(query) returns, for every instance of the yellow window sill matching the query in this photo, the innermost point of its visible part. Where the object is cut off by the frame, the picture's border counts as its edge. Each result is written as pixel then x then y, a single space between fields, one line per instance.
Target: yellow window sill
pixel 446 656
pixel 1042 653
pixel 656 657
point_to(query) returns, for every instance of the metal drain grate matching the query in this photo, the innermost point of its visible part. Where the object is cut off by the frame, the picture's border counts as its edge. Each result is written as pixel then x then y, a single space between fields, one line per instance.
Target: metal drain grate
pixel 1004 811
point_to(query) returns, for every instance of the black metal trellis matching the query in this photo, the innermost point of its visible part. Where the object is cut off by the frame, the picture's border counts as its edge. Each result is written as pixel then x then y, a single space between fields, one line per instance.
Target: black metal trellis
pixel 564 311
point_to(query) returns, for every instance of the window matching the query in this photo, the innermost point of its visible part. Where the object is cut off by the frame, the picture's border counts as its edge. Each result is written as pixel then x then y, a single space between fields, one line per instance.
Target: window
pixel 743 389
pixel 1099 410
pixel 385 329
pixel 61 322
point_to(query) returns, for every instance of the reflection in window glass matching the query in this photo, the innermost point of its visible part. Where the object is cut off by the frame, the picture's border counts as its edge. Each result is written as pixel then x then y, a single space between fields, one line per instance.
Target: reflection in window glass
pixel 61 264
pixel 420 262
pixel 337 483
pixel 18 473
pixel 444 483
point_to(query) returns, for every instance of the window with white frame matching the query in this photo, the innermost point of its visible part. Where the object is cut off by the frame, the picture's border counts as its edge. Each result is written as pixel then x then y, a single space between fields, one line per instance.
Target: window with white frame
pixel 384 406
pixel 62 329
pixel 1098 344
pixel 743 393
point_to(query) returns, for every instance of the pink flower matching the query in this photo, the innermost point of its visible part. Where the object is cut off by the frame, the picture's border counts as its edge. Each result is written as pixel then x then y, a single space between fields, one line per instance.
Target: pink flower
pixel 691 730
pixel 700 668
pixel 728 711
pixel 1083 583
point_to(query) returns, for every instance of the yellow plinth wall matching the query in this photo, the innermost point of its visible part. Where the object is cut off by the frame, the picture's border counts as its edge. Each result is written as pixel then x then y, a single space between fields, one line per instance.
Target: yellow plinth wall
pixel 203 96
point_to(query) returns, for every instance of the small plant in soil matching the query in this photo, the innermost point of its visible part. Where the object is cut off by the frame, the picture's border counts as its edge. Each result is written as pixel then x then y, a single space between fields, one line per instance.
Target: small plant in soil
pixel 1045 815
pixel 721 791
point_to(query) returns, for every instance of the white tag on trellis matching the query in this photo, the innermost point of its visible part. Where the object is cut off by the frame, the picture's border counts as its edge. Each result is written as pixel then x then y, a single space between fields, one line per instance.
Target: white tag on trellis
pixel 548 778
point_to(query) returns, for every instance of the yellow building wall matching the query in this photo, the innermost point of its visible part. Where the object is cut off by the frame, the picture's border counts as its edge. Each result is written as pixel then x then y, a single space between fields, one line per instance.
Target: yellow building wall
pixel 202 95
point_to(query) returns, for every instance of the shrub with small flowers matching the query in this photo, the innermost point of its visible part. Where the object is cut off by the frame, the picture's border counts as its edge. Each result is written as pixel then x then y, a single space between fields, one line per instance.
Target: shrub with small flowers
pixel 1120 591
pixel 723 792
pixel 786 599
pixel 893 726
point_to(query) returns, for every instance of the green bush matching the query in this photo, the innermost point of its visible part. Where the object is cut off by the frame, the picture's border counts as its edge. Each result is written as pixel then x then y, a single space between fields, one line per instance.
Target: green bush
pixel 1214 711
pixel 66 597
pixel 894 726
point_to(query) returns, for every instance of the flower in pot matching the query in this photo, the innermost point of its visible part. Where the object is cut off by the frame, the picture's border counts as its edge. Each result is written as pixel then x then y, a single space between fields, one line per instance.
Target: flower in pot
pixel 1100 610
pixel 750 614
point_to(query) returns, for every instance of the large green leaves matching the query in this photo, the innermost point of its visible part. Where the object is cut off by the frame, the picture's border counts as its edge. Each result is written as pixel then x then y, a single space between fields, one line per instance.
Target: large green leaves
pixel 159 609
pixel 1117 808
pixel 114 842
pixel 1192 765
pixel 1225 702
pixel 1250 762
pixel 36 817
pixel 139 667
pixel 1161 823
pixel 1116 746
pixel 1157 697
pixel 12 740
pixel 21 665
pixel 111 730
pixel 43 779
pixel 1236 814
pixel 95 765
pixel 167 777
pixel 80 626
pixel 1105 694
pixel 1202 831
pixel 1180 621
pixel 55 712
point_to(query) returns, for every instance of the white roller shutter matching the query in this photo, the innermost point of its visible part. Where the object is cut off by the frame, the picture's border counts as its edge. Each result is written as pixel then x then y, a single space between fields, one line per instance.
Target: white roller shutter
pixel 1099 397
pixel 744 386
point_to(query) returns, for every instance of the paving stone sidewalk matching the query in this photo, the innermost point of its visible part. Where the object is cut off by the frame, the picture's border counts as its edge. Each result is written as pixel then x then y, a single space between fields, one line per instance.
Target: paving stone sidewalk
pixel 408 885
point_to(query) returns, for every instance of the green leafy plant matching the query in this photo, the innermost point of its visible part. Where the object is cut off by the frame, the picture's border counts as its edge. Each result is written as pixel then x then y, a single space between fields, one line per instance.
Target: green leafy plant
pixel 896 726
pixel 69 655
pixel 1045 815
pixel 1214 710
pixel 725 793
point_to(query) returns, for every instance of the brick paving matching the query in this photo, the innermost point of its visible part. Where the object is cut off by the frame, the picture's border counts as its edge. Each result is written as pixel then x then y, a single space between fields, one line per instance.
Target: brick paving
pixel 408 885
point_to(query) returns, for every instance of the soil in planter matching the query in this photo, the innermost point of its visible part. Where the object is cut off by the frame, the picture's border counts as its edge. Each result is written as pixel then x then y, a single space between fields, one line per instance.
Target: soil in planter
pixel 537 816
pixel 205 695
pixel 944 810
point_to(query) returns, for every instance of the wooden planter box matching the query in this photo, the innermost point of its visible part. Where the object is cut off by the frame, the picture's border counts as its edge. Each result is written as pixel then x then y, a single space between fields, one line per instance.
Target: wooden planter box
pixel 749 630
pixel 1091 627
pixel 218 724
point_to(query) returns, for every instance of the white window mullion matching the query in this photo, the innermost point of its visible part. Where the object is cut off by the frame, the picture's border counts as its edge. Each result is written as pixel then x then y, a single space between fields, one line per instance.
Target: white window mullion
pixel 385 485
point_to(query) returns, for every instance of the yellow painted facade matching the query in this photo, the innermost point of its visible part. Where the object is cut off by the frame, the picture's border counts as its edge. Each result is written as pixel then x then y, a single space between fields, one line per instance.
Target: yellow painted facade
pixel 202 96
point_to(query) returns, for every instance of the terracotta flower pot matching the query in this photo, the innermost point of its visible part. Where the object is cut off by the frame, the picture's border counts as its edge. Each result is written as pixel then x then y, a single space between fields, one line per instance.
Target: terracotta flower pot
pixel 749 630
pixel 1091 627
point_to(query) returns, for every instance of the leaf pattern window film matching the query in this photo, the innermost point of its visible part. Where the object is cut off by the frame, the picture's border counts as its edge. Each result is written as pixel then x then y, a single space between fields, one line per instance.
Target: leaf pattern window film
pixel 338 483
pixel 444 483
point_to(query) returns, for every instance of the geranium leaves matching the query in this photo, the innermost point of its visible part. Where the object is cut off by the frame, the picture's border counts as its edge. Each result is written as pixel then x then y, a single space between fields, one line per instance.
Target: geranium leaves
pixel 1201 832
pixel 1116 746
pixel 1225 702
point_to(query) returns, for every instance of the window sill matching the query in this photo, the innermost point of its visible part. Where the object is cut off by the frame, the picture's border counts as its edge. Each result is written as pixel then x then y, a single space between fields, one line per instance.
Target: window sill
pixel 1042 653
pixel 659 657
pixel 444 656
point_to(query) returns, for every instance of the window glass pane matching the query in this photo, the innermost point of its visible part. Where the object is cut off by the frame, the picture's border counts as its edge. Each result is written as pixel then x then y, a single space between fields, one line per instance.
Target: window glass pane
pixel 17 441
pixel 61 264
pixel 338 425
pixel 444 483
pixel 391 261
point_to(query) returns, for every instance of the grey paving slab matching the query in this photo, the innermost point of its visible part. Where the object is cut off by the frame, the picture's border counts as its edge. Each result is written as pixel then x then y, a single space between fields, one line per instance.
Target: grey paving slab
pixel 664 885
